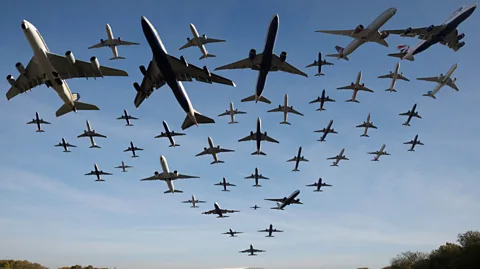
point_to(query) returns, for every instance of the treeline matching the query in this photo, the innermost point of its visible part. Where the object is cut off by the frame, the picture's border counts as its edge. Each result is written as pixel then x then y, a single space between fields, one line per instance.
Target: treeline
pixel 80 267
pixel 13 264
pixel 465 254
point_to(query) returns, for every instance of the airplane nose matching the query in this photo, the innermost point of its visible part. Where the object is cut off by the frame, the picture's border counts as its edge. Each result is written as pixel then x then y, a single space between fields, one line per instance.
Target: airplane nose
pixel 24 25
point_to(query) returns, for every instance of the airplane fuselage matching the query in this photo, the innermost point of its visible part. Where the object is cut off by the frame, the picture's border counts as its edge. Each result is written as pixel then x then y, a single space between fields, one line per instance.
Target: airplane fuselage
pixel 164 164
pixel 89 131
pixel 196 36
pixel 110 40
pixel 125 113
pixel 299 155
pixel 258 135
pixel 232 113
pixel 327 131
pixel 290 199
pixel 394 78
pixel 267 57
pixel 212 149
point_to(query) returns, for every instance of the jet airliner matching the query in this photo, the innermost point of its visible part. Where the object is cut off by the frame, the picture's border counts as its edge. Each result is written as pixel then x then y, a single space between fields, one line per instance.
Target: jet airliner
pixel 338 158
pixel 366 124
pixel 394 76
pixel 297 159
pixel 232 112
pixel 90 133
pixel 65 145
pixel 123 167
pixel 256 176
pixel 252 251
pixel 410 114
pixel 212 150
pixel 258 137
pixel 379 153
pixel 133 149
pixel 200 42
pixel 194 202
pixel 219 211
pixel 98 173
pixel 326 131
pixel 285 109
pixel 442 81
pixel 285 201
pixel 270 230
pixel 319 63
pixel 225 184
pixel 357 86
pixel 113 43
pixel 169 134
pixel 127 117
pixel 322 101
pixel 414 142
pixel 319 185
pixel 38 122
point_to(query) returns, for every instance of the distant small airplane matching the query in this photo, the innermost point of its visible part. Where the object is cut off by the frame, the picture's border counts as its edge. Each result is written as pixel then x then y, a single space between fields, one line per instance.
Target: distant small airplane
pixel 213 151
pixel 133 149
pixel 297 159
pixel 270 230
pixel 356 87
pixel 366 124
pixel 255 207
pixel 338 158
pixel 38 122
pixel 169 134
pixel 232 112
pixel 90 133
pixel 258 137
pixel 319 63
pixel 225 184
pixel 283 202
pixel 194 202
pixel 285 109
pixel 127 117
pixel 65 145
pixel 322 101
pixel 256 176
pixel 97 173
pixel 442 81
pixel 394 76
pixel 410 114
pixel 252 251
pixel 112 43
pixel 124 167
pixel 326 131
pixel 232 233
pixel 319 185
pixel 414 142
pixel 220 212
pixel 379 153
pixel 200 42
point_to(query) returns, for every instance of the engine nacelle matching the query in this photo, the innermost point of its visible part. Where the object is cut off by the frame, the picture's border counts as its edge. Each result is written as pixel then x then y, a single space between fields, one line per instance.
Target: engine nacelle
pixel 95 63
pixel 352 84
pixel 156 173
pixel 218 147
pixel 207 72
pixel 204 36
pixel 11 80
pixel 20 68
pixel 161 133
pixel 358 29
pixel 461 44
pixel 460 36
pixel 384 34
pixel 265 134
pixel 70 57
pixel 188 39
pixel 175 173
pixel 283 56
pixel 430 28
pixel 101 41
pixel 251 133
pixel 184 60
pixel 119 39
pixel 143 69
pixel 363 85
pixel 407 31
pixel 204 148
pixel 252 54
pixel 137 87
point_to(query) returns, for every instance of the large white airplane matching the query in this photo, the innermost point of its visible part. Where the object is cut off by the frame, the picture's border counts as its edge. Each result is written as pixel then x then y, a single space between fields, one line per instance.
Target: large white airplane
pixel 232 112
pixel 338 158
pixel 252 251
pixel 442 81
pixel 90 133
pixel 213 151
pixel 362 35
pixel 200 42
pixel 194 202
pixel 53 69
pixel 445 34
pixel 285 109
pixel 112 43
pixel 379 153
pixel 219 211
pixel 394 76
pixel 366 124
pixel 356 87
pixel 98 173
pixel 168 176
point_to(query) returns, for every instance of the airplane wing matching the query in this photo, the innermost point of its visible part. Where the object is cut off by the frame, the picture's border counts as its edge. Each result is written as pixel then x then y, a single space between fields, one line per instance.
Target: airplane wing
pixel 244 63
pixel 405 114
pixel 187 45
pixel 349 87
pixel 181 176
pixel 332 158
pixel 247 138
pixel 431 79
pixel 211 40
pixel 190 71
pixel 450 83
pixel 121 117
pixel 278 109
pixel 205 152
pixel 329 100
pixel 229 184
pixel 68 145
pixel 225 150
pixel 326 63
pixel 104 173
pixel 312 185
pixel 152 79
pixel 338 32
pixel 278 200
pixel 224 113
pixel 374 152
pixel 177 134
pixel 90 173
pixel 362 125
pixel 303 159
pixel 291 110
pixel 225 211
pixel 43 122
pixel 258 250
pixel 85 134
pixel 326 185
pixel 81 69
pixel 105 43
pixel 277 231
pixel 422 33
pixel 213 211
pixel 120 42
pixel 268 138
pixel 387 76
pixel 32 122
pixel 99 135
pixel 278 64
pixel 293 159
pixel 400 76
pixel 219 184
pixel 365 89
pixel 408 143
pixel 239 112
pixel 132 118
pixel 32 78
pixel 159 176
pixel 135 148
pixel 262 177
pixel 188 201
pixel 315 63
pixel 264 231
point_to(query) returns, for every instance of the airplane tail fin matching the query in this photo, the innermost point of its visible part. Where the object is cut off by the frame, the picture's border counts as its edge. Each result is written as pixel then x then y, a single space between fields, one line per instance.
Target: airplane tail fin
pixel 390 90
pixel 95 146
pixel 321 109
pixel 352 100
pixel 430 94
pixel 223 216
pixel 169 191
pixel 252 98
pixel 175 145
pixel 40 131
pixel 258 152
pixel 217 161
pixel 364 135
pixel 285 122
pixel 319 74
pixel 118 58
pixel 201 119
pixel 339 55
pixel 207 56
pixel 233 122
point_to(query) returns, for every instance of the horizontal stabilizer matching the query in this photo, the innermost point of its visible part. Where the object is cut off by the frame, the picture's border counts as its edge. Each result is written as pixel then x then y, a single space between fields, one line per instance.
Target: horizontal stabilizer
pixel 128 124
pixel 252 98
pixel 175 145
pixel 319 74
pixel 353 100
pixel 406 124
pixel 201 119
pixel 233 122
pixel 217 162
pixel 391 90
pixel 430 95
pixel 95 146
pixel 174 191
pixel 295 170
pixel 40 131
pixel 411 150
pixel 207 56
pixel 285 122
pixel 66 151
pixel 318 190
pixel 321 109
pixel 223 216
pixel 225 190
pixel 364 135
pixel 118 58
pixel 258 153
pixel 256 185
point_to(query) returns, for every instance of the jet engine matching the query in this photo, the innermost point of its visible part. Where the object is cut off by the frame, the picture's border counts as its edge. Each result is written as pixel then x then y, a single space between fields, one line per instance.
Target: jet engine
pixel 70 57
pixel 363 85
pixel 119 39
pixel 184 60
pixel 173 133
pixel 188 39
pixel 430 28
pixel 297 200
pixel 142 69
pixel 252 54
pixel 94 62
pixel 156 173
pixel 279 106
pixel 175 173
pixel 407 31
pixel 207 72
pixel 384 34
pixel 161 133
pixel 352 84
pixel 265 134
pixel 283 56
pixel 204 36
pixel 218 147
pixel 251 133
pixel 430 92
pixel 101 41
pixel 358 29
pixel 20 68
pixel 461 44
pixel 460 36
pixel 137 87
pixel 204 148
pixel 11 80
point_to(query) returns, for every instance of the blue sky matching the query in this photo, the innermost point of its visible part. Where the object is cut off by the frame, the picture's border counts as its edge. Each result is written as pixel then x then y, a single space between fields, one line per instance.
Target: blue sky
pixel 52 214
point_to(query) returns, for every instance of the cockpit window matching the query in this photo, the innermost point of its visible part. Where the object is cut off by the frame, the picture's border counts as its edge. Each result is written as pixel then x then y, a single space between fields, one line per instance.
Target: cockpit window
pixel 45 44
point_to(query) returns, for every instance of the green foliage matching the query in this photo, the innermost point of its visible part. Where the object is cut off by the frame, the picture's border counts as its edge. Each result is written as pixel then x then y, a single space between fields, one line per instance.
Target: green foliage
pixel 13 264
pixel 468 238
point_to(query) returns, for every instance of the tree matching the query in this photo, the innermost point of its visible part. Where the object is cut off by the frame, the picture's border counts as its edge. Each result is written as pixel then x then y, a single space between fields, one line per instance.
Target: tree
pixel 406 260
pixel 468 238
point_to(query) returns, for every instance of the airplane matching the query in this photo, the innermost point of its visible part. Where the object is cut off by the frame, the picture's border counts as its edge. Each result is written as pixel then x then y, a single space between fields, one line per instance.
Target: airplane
pixel 200 42
pixel 38 122
pixel 219 211
pixel 326 131
pixel 414 142
pixel 264 62
pixel 322 101
pixel 127 118
pixel 256 176
pixel 258 137
pixel 319 63
pixel 213 151
pixel 442 81
pixel 133 149
pixel 194 202
pixel 411 113
pixel 169 134
pixel 319 185
pixel 356 87
pixel 285 109
pixel 283 202
pixel 166 69
pixel 98 173
pixel 232 112
pixel 91 134
pixel 124 167
pixel 366 124
pixel 445 34
pixel 362 35
pixel 168 176
pixel 379 153
pixel 297 159
pixel 338 158
pixel 65 145
pixel 270 230
pixel 394 76
pixel 52 70
pixel 225 184
pixel 255 207
pixel 112 43
pixel 232 233
pixel 252 251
